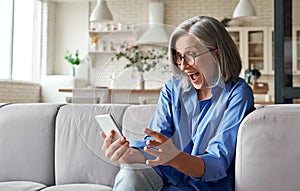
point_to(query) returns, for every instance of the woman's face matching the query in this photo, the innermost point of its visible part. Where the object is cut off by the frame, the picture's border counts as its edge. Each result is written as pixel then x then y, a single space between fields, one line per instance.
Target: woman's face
pixel 195 55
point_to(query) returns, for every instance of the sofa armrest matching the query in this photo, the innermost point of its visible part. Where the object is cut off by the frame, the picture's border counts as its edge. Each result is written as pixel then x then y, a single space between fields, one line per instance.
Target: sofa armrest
pixel 268 152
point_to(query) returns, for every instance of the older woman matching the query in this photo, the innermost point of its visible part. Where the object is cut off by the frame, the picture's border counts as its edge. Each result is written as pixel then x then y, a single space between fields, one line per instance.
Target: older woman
pixel 190 144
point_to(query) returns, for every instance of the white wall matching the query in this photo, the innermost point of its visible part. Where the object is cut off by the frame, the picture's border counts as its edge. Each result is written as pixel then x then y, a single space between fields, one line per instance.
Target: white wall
pixel 71 33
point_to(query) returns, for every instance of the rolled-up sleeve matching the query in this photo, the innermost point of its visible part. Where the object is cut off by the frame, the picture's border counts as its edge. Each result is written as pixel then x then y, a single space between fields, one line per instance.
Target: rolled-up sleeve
pixel 214 168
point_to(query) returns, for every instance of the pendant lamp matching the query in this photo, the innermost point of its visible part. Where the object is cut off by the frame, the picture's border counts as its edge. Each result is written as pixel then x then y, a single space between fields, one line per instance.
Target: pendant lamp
pixel 101 12
pixel 244 10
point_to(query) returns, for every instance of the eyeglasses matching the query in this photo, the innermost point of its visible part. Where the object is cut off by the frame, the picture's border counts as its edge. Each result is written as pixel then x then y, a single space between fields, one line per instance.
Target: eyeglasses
pixel 189 59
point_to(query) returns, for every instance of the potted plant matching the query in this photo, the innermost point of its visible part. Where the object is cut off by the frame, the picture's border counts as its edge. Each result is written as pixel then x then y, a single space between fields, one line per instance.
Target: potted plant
pixel 73 59
pixel 252 74
pixel 142 60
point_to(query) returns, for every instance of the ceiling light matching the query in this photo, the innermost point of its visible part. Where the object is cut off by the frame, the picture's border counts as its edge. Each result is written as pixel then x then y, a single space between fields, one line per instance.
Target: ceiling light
pixel 101 12
pixel 244 10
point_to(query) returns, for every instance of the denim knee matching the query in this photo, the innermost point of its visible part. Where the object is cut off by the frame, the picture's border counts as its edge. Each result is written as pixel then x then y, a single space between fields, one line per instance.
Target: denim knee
pixel 141 177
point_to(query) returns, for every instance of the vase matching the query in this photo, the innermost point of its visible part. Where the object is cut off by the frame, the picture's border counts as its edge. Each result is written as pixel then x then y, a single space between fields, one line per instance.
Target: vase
pixel 74 70
pixel 140 81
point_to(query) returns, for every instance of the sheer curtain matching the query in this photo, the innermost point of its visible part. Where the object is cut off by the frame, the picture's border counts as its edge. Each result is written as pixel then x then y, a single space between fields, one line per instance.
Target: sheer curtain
pixel 20 39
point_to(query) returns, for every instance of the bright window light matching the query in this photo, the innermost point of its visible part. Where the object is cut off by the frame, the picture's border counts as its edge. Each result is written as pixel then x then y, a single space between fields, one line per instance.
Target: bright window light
pixel 18 36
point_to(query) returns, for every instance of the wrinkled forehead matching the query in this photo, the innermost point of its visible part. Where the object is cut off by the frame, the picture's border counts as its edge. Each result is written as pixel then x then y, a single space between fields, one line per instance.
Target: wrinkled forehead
pixel 188 41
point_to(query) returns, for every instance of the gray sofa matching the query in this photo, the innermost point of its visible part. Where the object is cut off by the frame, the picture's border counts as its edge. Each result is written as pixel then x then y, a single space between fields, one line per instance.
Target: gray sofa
pixel 56 147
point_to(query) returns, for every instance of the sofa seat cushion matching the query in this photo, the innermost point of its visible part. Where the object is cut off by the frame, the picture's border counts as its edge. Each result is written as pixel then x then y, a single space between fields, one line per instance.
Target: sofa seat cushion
pixel 21 186
pixel 79 187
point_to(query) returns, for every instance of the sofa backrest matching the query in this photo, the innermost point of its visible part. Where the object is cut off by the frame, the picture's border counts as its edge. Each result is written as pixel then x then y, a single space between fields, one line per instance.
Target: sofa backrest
pixel 268 152
pixel 136 118
pixel 60 144
pixel 27 142
pixel 78 154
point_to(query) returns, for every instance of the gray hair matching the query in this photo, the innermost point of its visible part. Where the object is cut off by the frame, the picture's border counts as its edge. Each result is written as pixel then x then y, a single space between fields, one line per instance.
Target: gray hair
pixel 213 35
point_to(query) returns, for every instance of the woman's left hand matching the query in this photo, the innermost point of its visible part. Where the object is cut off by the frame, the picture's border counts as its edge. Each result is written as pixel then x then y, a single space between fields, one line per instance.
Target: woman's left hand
pixel 162 148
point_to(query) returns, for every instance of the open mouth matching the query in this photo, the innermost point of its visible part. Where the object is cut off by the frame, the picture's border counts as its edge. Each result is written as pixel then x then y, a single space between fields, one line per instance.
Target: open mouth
pixel 194 76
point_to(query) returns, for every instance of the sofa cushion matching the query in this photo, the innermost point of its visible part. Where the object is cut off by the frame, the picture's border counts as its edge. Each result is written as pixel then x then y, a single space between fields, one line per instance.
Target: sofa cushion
pixel 21 186
pixel 78 154
pixel 136 118
pixel 79 187
pixel 268 152
pixel 27 142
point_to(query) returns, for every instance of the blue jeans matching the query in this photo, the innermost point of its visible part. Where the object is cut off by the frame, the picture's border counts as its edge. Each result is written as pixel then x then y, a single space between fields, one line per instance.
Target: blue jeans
pixel 137 177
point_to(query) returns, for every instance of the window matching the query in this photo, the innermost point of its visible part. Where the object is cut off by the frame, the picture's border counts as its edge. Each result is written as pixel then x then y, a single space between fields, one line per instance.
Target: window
pixel 20 38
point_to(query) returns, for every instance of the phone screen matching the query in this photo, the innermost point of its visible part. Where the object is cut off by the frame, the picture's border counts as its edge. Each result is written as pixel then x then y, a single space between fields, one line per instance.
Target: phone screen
pixel 107 123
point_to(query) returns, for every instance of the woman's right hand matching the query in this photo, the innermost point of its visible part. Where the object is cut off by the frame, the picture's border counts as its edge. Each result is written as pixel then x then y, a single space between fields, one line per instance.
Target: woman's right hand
pixel 119 150
pixel 115 150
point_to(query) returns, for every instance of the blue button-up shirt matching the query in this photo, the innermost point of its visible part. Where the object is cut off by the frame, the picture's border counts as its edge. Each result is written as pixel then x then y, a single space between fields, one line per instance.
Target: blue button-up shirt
pixel 206 128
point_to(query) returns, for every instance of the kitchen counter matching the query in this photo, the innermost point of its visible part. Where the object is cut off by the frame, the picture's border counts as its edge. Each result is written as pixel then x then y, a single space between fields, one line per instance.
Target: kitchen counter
pixel 128 96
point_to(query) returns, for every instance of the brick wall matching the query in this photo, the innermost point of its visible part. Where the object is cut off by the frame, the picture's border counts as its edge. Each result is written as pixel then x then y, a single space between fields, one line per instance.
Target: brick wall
pixel 48 46
pixel 179 10
pixel 19 92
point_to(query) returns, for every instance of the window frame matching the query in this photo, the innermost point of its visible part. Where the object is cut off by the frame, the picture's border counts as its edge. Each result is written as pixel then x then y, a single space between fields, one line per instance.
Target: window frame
pixel 283 76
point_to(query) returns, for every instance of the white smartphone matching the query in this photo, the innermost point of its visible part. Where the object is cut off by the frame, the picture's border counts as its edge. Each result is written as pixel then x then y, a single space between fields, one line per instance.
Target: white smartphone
pixel 107 123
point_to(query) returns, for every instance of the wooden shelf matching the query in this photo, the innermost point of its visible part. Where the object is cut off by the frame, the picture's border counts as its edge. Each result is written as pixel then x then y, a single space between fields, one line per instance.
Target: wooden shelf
pixel 65 90
pixel 256 58
pixel 93 33
pixel 102 52
pixel 256 43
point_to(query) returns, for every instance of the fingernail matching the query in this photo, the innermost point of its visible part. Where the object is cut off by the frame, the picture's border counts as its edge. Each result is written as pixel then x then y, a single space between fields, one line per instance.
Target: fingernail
pixel 146 130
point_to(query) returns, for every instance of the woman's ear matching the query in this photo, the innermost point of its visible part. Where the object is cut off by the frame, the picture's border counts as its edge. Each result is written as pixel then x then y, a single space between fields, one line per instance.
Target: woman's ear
pixel 217 52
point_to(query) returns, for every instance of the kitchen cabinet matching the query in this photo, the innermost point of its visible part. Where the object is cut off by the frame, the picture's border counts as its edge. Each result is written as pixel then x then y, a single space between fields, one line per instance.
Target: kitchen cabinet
pixel 256 46
pixel 258 49
pixel 295 51
pixel 253 44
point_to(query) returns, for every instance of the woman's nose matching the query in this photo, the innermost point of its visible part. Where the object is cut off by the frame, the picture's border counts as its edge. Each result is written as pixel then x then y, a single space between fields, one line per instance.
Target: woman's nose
pixel 183 65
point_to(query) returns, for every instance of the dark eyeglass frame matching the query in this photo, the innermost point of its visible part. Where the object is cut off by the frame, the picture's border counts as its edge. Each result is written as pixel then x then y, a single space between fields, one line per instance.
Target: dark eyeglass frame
pixel 191 57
